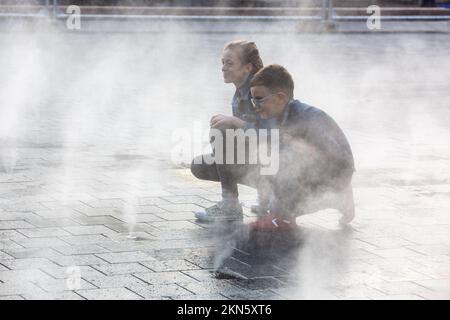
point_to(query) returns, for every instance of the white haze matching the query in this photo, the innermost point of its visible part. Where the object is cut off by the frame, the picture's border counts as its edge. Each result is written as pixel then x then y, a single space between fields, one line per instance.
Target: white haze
pixel 125 93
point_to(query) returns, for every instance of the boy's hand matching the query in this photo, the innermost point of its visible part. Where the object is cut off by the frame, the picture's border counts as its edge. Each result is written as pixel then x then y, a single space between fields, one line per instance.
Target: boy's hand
pixel 220 121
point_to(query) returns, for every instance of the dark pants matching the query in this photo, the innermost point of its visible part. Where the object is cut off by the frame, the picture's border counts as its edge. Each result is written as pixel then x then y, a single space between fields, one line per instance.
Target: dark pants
pixel 229 175
pixel 304 173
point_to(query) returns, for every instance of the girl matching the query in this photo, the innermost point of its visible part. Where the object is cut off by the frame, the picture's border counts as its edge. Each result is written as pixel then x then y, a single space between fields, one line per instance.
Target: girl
pixel 240 61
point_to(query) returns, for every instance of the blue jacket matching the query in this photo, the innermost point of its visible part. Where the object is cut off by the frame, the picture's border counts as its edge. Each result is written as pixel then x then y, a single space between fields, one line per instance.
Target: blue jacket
pixel 243 109
pixel 314 126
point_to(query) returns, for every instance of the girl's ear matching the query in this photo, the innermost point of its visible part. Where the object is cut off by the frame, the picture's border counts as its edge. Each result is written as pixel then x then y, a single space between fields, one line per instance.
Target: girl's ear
pixel 248 67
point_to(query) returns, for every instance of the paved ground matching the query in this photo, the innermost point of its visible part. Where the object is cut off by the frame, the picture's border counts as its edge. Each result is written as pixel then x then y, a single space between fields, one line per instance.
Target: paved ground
pixel 92 208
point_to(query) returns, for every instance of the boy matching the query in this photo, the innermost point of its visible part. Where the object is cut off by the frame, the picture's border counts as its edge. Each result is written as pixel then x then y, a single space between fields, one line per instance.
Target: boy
pixel 314 155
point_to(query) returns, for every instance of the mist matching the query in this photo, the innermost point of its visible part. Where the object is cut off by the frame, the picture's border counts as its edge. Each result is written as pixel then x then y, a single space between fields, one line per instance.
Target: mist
pixel 104 106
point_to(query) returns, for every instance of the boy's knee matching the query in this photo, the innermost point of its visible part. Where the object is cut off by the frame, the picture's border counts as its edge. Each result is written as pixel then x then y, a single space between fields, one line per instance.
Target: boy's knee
pixel 196 167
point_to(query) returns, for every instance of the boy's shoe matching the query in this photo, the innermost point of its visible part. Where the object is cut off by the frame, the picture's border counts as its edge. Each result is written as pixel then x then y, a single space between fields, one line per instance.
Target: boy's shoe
pixel 274 222
pixel 222 211
pixel 259 209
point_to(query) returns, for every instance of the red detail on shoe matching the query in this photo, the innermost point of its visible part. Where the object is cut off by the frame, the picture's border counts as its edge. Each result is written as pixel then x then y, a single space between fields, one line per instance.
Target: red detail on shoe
pixel 274 222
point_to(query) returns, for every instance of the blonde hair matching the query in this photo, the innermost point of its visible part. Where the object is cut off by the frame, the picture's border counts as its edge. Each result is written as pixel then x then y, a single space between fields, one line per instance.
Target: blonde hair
pixel 248 53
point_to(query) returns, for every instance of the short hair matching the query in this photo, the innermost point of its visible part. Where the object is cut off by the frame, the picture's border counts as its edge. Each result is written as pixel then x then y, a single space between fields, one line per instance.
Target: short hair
pixel 247 52
pixel 274 77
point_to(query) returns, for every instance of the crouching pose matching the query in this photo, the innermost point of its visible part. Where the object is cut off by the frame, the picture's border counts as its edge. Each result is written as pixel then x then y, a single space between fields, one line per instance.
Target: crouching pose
pixel 240 61
pixel 315 159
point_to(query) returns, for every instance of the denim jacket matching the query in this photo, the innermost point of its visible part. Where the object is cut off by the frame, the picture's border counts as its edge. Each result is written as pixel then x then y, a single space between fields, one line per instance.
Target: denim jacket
pixel 243 108
pixel 314 126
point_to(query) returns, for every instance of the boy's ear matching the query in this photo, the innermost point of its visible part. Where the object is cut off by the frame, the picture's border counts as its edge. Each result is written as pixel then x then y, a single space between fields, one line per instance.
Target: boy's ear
pixel 283 95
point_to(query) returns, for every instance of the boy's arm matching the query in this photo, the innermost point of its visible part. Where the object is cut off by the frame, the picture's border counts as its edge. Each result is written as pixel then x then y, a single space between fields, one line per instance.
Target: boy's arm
pixel 318 131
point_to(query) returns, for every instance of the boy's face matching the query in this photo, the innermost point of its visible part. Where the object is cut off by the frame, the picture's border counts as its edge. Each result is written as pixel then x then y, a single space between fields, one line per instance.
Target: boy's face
pixel 232 68
pixel 268 104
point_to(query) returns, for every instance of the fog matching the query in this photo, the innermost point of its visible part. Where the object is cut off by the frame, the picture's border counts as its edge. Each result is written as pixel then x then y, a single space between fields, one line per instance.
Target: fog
pixel 85 101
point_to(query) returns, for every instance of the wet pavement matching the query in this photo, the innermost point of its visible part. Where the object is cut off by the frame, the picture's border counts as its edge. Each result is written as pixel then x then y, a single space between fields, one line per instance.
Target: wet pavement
pixel 91 206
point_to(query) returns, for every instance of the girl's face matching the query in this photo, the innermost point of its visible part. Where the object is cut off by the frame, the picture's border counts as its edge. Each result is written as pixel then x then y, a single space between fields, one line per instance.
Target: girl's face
pixel 232 68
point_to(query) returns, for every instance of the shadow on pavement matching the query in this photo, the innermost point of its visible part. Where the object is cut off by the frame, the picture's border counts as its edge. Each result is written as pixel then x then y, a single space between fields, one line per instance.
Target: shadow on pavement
pixel 287 257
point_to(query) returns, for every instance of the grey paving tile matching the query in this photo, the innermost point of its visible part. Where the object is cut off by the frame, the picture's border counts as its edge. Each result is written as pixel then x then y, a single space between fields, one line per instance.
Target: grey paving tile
pixel 118 257
pixel 435 296
pixel 396 253
pixel 175 225
pixel 203 262
pixel 149 209
pixel 255 295
pixel 137 217
pixel 96 212
pixel 85 239
pixel 27 263
pixel 80 249
pixel 157 278
pixel 77 260
pixel 2 267
pixel 17 224
pixel 11 298
pixel 124 246
pixel 190 234
pixel 169 265
pixel 114 281
pixel 157 291
pixel 109 294
pixel 22 276
pixel 41 242
pixel 152 201
pixel 213 286
pixel 59 285
pixel 51 222
pixel 443 249
pixel 89 230
pixel 24 206
pixel 43 232
pixel 4 256
pixel 194 199
pixel 7 216
pixel 258 283
pixel 10 235
pixel 187 207
pixel 70 271
pixel 403 297
pixel 19 288
pixel 112 203
pixel 169 254
pixel 439 285
pixel 60 295
pixel 58 213
pixel 360 292
pixel 91 221
pixel 177 216
pixel 21 253
pixel 121 268
pixel 399 287
pixel 201 297
pixel 9 245
pixel 127 227
pixel 200 275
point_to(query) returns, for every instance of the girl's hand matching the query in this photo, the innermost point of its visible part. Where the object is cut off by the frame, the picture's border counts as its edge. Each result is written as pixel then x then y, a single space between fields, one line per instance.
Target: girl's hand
pixel 221 121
